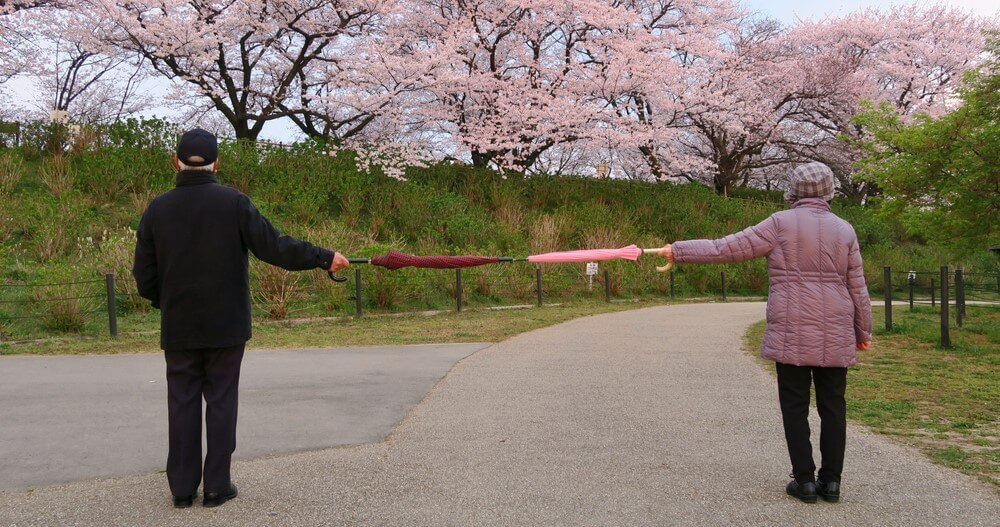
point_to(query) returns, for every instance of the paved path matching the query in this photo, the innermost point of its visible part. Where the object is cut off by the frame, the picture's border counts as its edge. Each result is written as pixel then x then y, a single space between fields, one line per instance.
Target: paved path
pixel 649 417
pixel 82 417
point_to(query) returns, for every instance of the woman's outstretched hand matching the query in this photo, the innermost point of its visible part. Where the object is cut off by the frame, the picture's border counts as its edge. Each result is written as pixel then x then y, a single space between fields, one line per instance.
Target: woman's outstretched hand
pixel 667 253
pixel 864 346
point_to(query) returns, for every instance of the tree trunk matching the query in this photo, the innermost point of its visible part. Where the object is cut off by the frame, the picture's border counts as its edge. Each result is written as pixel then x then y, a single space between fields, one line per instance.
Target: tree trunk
pixel 655 167
pixel 481 159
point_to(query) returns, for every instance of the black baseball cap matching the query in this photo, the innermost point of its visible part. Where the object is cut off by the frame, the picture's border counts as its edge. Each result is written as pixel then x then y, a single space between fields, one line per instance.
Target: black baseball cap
pixel 198 148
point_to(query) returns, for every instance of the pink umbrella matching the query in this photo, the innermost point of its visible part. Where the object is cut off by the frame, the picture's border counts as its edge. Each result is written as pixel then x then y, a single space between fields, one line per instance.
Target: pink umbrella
pixel 630 252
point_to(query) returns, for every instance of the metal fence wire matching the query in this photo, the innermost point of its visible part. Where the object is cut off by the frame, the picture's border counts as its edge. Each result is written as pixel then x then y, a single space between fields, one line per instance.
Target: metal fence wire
pixel 28 310
pixel 75 305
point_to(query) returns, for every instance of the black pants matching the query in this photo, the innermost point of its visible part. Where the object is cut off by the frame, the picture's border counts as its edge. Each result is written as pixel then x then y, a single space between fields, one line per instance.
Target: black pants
pixel 793 394
pixel 192 374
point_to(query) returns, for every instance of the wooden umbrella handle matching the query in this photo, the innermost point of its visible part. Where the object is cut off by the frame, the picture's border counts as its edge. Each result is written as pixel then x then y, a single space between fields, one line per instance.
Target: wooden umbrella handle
pixel 660 268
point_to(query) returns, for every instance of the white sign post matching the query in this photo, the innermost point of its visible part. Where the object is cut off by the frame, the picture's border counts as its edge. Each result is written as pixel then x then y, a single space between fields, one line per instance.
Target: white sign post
pixel 591 271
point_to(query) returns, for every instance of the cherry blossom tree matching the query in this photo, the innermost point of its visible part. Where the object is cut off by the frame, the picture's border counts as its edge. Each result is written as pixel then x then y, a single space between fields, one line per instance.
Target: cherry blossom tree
pixel 780 95
pixel 89 86
pixel 10 6
pixel 910 57
pixel 246 59
pixel 503 80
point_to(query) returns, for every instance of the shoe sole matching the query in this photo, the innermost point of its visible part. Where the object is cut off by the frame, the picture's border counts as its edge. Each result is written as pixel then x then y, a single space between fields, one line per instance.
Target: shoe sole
pixel 803 499
pixel 830 499
pixel 211 504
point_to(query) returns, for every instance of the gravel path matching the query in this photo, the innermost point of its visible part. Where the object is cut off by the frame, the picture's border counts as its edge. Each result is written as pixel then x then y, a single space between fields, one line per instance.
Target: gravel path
pixel 648 417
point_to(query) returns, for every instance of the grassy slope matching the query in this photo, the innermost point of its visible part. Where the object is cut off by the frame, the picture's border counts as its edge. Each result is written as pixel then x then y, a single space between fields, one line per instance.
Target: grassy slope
pixel 48 234
pixel 946 402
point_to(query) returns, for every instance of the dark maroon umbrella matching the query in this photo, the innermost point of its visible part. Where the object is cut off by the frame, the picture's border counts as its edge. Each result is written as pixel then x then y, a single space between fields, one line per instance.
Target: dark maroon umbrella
pixel 396 260
pixel 393 260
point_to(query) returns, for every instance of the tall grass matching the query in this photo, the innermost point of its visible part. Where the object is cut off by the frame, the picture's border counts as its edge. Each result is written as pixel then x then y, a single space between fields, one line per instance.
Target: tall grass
pixel 11 165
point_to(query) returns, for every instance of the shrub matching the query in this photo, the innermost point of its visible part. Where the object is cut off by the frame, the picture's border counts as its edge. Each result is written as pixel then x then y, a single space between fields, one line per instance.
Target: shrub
pixel 64 310
pixel 42 137
pixel 114 252
pixel 143 134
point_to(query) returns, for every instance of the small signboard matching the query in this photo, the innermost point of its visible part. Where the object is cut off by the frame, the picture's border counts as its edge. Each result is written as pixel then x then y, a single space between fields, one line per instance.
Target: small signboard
pixel 591 268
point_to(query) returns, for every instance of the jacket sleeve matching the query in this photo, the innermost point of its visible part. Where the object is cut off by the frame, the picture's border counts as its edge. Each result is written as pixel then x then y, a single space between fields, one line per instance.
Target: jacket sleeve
pixel 752 242
pixel 144 269
pixel 858 289
pixel 266 243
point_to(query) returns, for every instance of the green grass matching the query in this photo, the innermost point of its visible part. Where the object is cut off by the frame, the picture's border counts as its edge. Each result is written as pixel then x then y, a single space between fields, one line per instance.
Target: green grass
pixel 468 326
pixel 946 402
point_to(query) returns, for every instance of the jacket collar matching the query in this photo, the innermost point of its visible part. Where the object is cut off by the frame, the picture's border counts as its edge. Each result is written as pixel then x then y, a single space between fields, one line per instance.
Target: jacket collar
pixel 813 203
pixel 188 178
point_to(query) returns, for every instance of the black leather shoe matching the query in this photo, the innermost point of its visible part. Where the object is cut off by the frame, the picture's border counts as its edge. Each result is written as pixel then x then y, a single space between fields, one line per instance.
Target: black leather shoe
pixel 805 492
pixel 214 499
pixel 183 502
pixel 829 491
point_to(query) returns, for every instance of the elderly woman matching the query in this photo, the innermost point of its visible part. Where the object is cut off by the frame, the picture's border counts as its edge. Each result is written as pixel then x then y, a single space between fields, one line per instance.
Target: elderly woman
pixel 818 317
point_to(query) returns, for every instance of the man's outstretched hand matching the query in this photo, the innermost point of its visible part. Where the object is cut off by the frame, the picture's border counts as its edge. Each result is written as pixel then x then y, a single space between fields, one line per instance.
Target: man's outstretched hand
pixel 864 346
pixel 339 262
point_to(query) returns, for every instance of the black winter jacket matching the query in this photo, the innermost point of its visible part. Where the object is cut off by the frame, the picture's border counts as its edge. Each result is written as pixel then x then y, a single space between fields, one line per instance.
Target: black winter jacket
pixel 191 261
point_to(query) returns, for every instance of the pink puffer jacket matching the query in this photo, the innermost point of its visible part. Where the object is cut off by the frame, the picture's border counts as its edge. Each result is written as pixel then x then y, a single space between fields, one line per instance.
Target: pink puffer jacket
pixel 817 306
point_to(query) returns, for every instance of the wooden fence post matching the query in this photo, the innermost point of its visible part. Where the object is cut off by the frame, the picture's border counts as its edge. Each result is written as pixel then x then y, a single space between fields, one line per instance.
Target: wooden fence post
pixel 959 297
pixel 945 337
pixel 887 289
pixel 538 284
pixel 357 293
pixel 109 281
pixel 607 286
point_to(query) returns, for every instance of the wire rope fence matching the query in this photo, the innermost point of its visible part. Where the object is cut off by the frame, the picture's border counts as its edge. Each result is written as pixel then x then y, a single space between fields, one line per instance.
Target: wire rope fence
pixel 92 307
pixel 73 306
pixel 948 290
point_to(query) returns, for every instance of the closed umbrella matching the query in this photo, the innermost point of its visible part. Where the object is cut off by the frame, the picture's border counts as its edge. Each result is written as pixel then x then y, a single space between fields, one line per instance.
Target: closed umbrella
pixel 393 260
pixel 629 252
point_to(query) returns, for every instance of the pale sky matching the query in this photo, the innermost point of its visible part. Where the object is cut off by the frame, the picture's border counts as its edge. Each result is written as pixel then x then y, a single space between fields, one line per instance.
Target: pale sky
pixel 788 10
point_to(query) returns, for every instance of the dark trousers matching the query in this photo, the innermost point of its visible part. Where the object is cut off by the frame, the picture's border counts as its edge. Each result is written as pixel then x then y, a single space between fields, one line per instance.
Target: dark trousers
pixel 212 374
pixel 793 394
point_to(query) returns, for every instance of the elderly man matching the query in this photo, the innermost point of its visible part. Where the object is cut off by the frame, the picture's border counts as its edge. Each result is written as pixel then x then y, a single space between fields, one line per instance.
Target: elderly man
pixel 191 263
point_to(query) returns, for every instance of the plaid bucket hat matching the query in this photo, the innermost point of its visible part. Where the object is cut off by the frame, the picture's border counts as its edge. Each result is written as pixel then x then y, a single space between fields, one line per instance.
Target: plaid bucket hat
pixel 811 180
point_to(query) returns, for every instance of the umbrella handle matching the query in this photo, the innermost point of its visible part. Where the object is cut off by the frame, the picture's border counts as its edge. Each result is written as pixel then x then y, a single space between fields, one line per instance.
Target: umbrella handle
pixel 661 268
pixel 341 279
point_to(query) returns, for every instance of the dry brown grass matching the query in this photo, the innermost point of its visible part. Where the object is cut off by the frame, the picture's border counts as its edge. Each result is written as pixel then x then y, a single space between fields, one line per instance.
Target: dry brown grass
pixel 63 311
pixel 11 166
pixel 507 208
pixel 603 237
pixel 115 253
pixel 549 233
pixel 58 175
pixel 275 289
